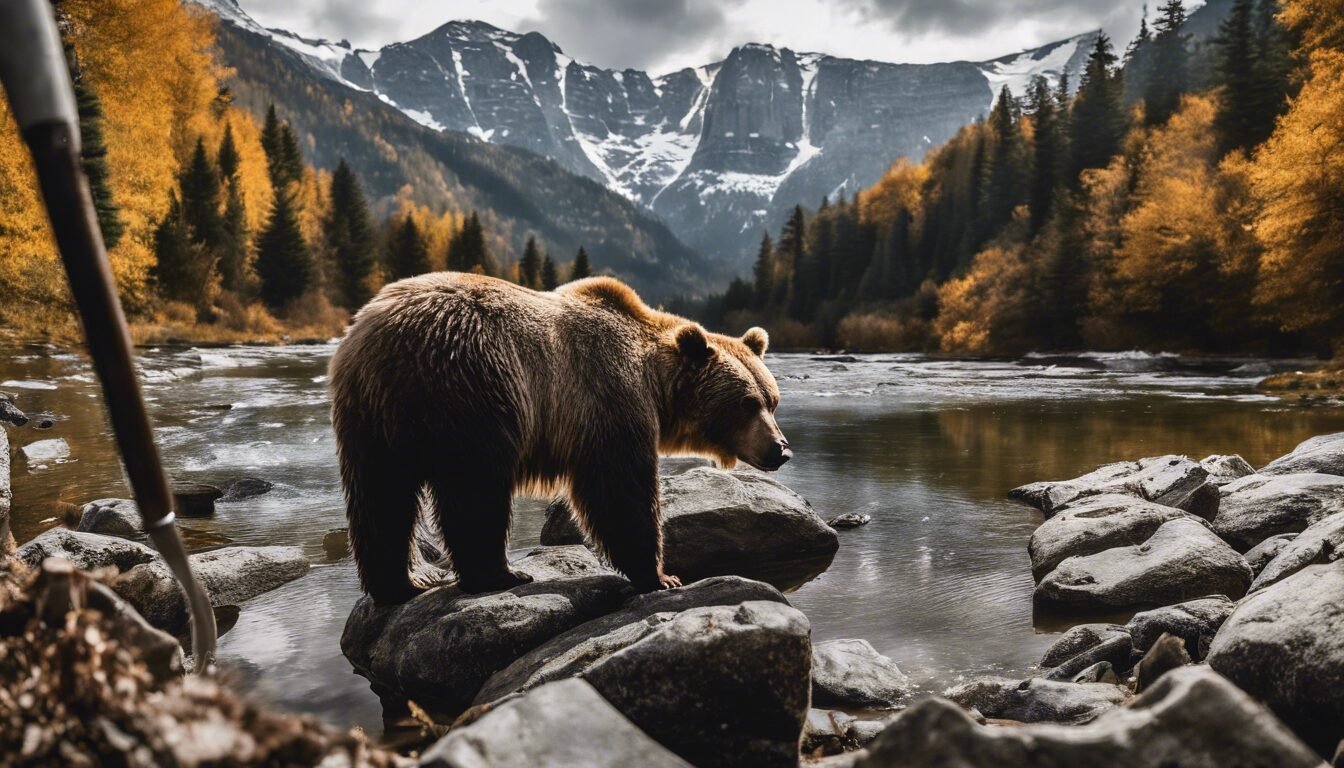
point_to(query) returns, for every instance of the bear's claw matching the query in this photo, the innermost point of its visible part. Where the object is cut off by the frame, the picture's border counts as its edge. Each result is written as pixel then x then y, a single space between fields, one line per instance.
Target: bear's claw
pixel 669 582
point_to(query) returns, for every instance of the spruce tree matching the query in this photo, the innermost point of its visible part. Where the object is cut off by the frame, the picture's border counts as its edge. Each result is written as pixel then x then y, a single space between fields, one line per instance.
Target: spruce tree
pixel 1005 171
pixel 233 249
pixel 1235 120
pixel 763 273
pixel 529 274
pixel 467 251
pixel 1137 64
pixel 180 270
pixel 290 161
pixel 1045 152
pixel 550 280
pixel 581 267
pixel 284 265
pixel 1168 76
pixel 408 253
pixel 93 147
pixel 1273 74
pixel 270 139
pixel 1097 122
pixel 350 236
pixel 788 256
pixel 200 199
pixel 227 158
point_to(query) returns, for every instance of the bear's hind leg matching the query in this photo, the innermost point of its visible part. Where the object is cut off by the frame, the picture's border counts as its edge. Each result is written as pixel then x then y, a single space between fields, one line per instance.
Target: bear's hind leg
pixel 382 504
pixel 474 511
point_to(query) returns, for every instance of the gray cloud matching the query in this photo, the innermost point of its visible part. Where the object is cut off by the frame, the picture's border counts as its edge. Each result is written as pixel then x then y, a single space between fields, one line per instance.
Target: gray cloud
pixel 631 33
pixel 969 18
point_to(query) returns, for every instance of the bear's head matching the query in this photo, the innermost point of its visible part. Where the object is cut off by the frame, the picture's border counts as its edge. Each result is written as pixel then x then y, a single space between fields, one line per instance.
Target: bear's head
pixel 724 399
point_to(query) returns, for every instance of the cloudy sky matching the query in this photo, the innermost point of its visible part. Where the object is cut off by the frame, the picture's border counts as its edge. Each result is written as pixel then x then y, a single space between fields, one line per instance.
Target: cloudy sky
pixel 663 35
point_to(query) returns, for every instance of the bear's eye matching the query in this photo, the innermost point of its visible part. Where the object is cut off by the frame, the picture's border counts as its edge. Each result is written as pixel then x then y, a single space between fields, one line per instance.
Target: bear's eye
pixel 751 404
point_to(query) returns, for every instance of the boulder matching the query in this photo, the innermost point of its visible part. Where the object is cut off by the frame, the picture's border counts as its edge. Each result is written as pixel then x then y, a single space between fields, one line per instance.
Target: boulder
pixel 10 413
pixel 230 575
pixel 849 520
pixel 1259 506
pixel 738 522
pixel 851 673
pixel 1078 639
pixel 1261 554
pixel 1182 560
pixel 1168 653
pixel 565 724
pixel 1322 542
pixel 245 488
pixel 439 648
pixel 1101 672
pixel 1224 469
pixel 111 517
pixel 720 686
pixel 1323 454
pixel 86 550
pixel 1037 700
pixel 572 652
pixel 1285 646
pixel 195 499
pixel 1094 524
pixel 160 651
pixel 832 732
pixel 1191 718
pixel 1194 621
pixel 1114 652
pixel 1174 481
pixel 40 453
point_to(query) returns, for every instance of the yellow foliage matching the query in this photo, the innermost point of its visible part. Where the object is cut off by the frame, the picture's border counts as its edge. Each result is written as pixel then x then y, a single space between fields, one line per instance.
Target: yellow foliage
pixel 982 311
pixel 436 228
pixel 899 190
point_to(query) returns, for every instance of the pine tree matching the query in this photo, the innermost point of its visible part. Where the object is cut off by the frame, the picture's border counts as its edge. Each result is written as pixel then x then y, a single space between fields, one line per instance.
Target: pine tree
pixel 1097 123
pixel 529 274
pixel 284 264
pixel 93 147
pixel 270 140
pixel 408 253
pixel 1169 76
pixel 349 232
pixel 788 255
pixel 200 199
pixel 763 273
pixel 227 158
pixel 284 159
pixel 1273 80
pixel 467 251
pixel 234 248
pixel 1045 152
pixel 1005 170
pixel 581 267
pixel 550 280
pixel 1235 120
pixel 180 269
pixel 1136 63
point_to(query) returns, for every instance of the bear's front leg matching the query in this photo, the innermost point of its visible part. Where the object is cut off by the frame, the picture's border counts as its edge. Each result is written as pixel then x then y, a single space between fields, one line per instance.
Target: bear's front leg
pixel 617 503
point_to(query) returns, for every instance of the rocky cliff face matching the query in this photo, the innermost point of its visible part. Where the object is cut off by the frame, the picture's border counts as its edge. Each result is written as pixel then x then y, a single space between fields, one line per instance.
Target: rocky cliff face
pixel 719 151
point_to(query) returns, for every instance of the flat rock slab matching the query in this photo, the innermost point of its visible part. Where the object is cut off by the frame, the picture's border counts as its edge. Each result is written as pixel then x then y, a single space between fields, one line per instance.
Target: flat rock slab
pixel 739 523
pixel 851 673
pixel 86 550
pixel 1078 639
pixel 439 648
pixel 1321 454
pixel 1285 646
pixel 1174 481
pixel 1191 718
pixel 44 452
pixel 230 575
pixel 1094 524
pixel 1321 543
pixel 566 724
pixel 245 488
pixel 1195 622
pixel 1224 469
pixel 1259 506
pixel 1181 561
pixel 1037 700
pixel 111 517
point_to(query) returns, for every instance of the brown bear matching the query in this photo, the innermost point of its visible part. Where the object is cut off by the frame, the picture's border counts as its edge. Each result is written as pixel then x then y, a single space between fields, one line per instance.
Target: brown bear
pixel 472 388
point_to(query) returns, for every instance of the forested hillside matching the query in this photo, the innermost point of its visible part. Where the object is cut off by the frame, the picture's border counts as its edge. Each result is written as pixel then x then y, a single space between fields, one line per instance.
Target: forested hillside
pixel 1188 197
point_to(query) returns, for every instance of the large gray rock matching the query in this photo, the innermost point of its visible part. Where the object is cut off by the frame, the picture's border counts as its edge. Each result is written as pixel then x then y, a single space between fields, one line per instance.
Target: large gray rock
pixel 111 517
pixel 1037 700
pixel 1191 718
pixel 1323 454
pixel 1093 524
pixel 851 673
pixel 1113 652
pixel 1174 481
pixel 720 686
pixel 1322 542
pixel 439 648
pixel 10 413
pixel 1263 553
pixel 565 724
pixel 1259 506
pixel 1181 561
pixel 86 550
pixel 1285 646
pixel 832 732
pixel 230 576
pixel 572 652
pixel 6 494
pixel 1078 639
pixel 738 522
pixel 159 651
pixel 1224 469
pixel 1195 622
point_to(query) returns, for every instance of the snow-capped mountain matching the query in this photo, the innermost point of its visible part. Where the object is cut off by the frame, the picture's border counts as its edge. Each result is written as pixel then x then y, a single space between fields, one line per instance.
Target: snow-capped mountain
pixel 719 151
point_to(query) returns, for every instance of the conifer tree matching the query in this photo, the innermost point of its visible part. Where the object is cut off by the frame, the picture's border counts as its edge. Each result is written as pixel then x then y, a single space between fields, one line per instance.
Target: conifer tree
pixel 200 199
pixel 529 274
pixel 284 159
pixel 93 147
pixel 284 264
pixel 349 232
pixel 234 248
pixel 1137 61
pixel 1005 170
pixel 788 255
pixel 763 273
pixel 408 253
pixel 1045 152
pixel 1168 76
pixel 180 270
pixel 1097 122
pixel 1235 120
pixel 581 267
pixel 227 158
pixel 550 280
pixel 270 139
pixel 467 251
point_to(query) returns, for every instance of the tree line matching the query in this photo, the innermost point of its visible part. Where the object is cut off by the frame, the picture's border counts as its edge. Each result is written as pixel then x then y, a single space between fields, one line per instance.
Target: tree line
pixel 1182 197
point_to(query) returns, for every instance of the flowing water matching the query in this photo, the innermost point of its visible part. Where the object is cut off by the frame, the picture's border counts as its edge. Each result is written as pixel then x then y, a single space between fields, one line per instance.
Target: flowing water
pixel 939 580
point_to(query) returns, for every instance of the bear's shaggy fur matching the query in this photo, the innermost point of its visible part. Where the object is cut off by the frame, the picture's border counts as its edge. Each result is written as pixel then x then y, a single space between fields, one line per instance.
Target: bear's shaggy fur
pixel 471 388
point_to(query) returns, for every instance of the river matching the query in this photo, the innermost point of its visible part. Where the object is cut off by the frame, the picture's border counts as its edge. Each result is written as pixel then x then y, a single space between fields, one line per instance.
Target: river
pixel 939 580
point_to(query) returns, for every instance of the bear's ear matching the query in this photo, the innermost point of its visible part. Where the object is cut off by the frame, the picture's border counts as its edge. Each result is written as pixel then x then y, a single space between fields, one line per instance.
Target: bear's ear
pixel 757 340
pixel 692 343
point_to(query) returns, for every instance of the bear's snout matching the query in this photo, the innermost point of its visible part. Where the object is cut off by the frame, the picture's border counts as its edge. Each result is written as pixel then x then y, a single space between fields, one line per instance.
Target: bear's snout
pixel 780 453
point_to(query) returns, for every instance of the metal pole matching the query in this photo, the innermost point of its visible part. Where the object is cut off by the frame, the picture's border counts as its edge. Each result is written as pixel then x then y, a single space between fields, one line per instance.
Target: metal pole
pixel 33 71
